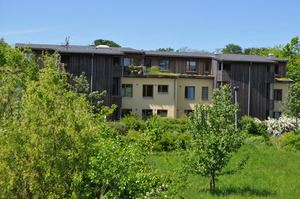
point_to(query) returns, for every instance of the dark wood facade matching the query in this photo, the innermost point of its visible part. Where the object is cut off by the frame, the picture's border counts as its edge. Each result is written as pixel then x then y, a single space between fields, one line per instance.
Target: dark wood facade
pixel 104 69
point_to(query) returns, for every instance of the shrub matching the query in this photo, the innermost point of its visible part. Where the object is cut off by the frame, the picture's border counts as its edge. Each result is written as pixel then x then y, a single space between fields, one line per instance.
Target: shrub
pixel 254 126
pixel 132 122
pixel 282 125
pixel 171 141
pixel 290 141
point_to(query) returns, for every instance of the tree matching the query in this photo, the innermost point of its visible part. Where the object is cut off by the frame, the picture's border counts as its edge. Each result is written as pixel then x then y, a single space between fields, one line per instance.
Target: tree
pixel 293 103
pixel 53 145
pixel 106 42
pixel 214 137
pixel 165 49
pixel 232 49
pixel 291 51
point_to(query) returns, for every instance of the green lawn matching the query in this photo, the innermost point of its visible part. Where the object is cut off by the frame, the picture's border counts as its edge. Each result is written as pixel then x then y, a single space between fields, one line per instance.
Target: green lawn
pixel 269 173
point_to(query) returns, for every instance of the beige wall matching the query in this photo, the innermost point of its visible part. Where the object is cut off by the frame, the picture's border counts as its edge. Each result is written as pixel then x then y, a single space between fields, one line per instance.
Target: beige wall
pixel 188 104
pixel 174 101
pixel 278 106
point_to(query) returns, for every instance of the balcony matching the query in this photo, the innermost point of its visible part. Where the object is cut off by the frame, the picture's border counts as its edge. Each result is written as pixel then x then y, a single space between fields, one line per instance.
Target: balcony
pixel 134 70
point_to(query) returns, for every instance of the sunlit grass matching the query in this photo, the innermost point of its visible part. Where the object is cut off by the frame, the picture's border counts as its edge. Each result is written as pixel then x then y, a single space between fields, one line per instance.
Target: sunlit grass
pixel 269 173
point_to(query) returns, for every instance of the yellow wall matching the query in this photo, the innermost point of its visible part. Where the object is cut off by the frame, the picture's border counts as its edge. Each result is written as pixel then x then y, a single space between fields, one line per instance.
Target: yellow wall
pixel 188 104
pixel 278 106
pixel 174 101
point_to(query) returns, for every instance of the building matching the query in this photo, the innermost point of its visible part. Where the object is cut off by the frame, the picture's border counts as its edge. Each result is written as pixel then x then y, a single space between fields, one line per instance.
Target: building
pixel 183 78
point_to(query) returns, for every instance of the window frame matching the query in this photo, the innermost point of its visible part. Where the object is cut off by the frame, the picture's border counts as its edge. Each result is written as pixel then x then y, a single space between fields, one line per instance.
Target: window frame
pixel 145 115
pixel 188 66
pixel 124 86
pixel 159 112
pixel 203 98
pixel 165 66
pixel 278 94
pixel 160 89
pixel 145 91
pixel 186 92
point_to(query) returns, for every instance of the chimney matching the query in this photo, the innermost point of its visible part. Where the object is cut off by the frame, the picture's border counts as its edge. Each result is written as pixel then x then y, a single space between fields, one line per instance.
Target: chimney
pixel 271 55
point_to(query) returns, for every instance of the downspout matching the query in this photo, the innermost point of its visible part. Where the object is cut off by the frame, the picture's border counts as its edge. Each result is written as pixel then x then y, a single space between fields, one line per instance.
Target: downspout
pixel 249 88
pixel 92 72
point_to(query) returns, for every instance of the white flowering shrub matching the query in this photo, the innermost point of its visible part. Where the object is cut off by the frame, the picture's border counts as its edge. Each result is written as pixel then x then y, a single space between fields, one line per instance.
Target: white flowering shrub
pixel 283 125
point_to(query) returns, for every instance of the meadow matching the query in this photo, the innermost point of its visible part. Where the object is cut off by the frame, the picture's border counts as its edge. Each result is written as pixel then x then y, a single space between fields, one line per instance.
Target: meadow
pixel 270 173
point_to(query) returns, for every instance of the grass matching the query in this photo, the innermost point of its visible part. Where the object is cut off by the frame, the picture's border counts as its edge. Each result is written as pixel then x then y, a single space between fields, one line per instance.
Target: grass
pixel 269 173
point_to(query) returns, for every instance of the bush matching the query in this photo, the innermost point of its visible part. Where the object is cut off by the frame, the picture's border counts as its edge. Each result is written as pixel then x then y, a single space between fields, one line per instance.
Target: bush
pixel 171 141
pixel 290 141
pixel 282 125
pixel 254 126
pixel 132 122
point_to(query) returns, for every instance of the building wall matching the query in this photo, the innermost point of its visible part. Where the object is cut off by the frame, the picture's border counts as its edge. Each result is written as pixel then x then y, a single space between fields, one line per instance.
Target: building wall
pixel 158 102
pixel 278 105
pixel 174 101
pixel 184 104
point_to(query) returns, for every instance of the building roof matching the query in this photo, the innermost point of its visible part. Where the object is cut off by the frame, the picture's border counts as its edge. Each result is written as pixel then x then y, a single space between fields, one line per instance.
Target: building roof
pixel 122 51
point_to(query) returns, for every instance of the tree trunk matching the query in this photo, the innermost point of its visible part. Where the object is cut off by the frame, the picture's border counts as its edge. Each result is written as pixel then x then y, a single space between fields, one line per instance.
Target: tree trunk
pixel 212 182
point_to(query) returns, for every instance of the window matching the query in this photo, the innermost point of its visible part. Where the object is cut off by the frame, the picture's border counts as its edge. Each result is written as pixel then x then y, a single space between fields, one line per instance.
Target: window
pixel 187 112
pixel 226 66
pixel 130 61
pixel 127 90
pixel 147 90
pixel 189 92
pixel 125 112
pixel 116 61
pixel 162 113
pixel 190 65
pixel 276 115
pixel 162 89
pixel 278 94
pixel 146 113
pixel 164 65
pixel 204 93
pixel 277 69
pixel 206 68
pixel 115 86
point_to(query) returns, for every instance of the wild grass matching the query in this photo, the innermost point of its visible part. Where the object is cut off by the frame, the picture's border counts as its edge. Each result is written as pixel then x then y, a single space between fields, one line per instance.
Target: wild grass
pixel 269 173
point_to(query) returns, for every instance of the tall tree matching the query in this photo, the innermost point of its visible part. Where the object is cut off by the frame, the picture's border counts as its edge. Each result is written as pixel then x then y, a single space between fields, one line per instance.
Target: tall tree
pixel 291 51
pixel 232 49
pixel 293 103
pixel 215 139
pixel 106 42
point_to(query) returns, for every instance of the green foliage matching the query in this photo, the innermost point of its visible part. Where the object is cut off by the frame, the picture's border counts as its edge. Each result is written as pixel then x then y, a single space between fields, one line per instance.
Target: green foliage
pixel 269 173
pixel 53 145
pixel 132 122
pixel 290 141
pixel 106 42
pixel 293 103
pixel 170 141
pixel 214 137
pixel 232 49
pixel 165 49
pixel 253 127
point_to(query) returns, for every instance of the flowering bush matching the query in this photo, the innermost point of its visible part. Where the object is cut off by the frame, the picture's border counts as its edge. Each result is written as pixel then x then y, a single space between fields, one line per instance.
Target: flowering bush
pixel 283 125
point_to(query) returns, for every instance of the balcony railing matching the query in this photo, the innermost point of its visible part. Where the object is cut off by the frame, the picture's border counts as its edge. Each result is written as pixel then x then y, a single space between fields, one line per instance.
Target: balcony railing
pixel 134 70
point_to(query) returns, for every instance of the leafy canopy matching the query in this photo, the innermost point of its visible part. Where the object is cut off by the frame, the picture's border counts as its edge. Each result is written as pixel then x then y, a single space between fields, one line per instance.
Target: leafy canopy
pixel 215 139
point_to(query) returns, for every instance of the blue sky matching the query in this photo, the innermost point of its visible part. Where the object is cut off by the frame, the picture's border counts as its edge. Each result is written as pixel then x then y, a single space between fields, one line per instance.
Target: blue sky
pixel 144 24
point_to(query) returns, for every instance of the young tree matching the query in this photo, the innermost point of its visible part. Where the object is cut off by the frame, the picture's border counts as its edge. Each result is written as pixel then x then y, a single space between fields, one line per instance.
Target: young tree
pixel 215 139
